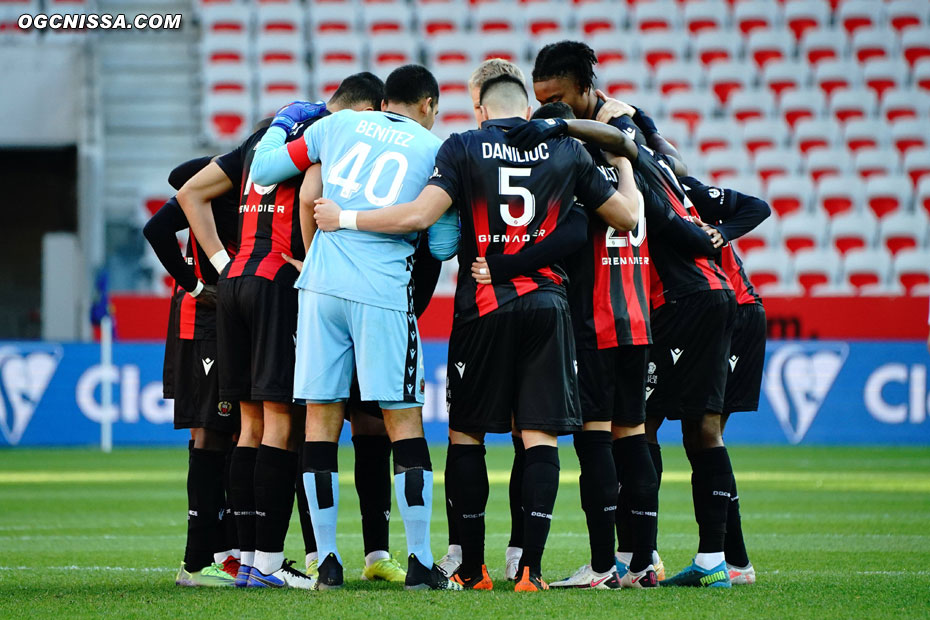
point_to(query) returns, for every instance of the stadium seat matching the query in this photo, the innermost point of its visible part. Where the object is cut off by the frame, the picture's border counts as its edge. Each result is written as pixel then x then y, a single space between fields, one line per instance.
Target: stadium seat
pixel 747 184
pixel 912 269
pixel 715 133
pixel 689 108
pixel 456 109
pixel 678 133
pixel 864 134
pixel 386 19
pixel 451 80
pixel 824 162
pixel 725 78
pixel 907 134
pixel 923 195
pixel 277 18
pixel 611 48
pixel 904 230
pixel 221 48
pixel 547 18
pixel 852 230
pixel 917 165
pixel 839 194
pixel 711 47
pixel 804 15
pixel 752 15
pixel 780 76
pixel 903 14
pixel 853 15
pixel 767 267
pixel 723 162
pixel 701 17
pixel 225 19
pixel 853 104
pixel 775 162
pixel 875 162
pixel 765 46
pixel 901 103
pixel 921 75
pixel 326 18
pixel 592 18
pixel 831 75
pixel 803 230
pixel 284 80
pixel 802 105
pixel 746 105
pixel 866 267
pixel 677 76
pixel 817 267
pixel 885 195
pixel 226 78
pixel 389 51
pixel 649 17
pixel 659 46
pixel 915 44
pixel 269 103
pixel 451 49
pixel 881 75
pixel 763 133
pixel 496 18
pixel 227 117
pixel 872 43
pixel 789 193
pixel 280 47
pixel 619 78
pixel 816 134
pixel 326 78
pixel 819 45
pixel 503 46
pixel 441 18
pixel 762 237
pixel 336 49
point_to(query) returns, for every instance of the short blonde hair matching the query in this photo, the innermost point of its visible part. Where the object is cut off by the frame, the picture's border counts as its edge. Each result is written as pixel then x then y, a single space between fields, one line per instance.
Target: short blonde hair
pixel 492 68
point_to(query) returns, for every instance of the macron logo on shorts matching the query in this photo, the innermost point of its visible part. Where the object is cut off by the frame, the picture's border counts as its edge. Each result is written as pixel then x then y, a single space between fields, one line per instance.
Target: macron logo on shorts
pixel 676 353
pixel 733 360
pixel 207 365
pixel 460 366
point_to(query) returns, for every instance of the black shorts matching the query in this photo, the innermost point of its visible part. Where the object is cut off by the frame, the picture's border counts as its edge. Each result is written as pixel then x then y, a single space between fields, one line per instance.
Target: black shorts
pixel 516 363
pixel 256 326
pixel 747 357
pixel 688 363
pixel 197 402
pixel 612 384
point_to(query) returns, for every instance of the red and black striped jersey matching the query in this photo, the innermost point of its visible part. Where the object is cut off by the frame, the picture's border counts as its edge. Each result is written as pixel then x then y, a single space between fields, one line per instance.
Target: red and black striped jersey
pixel 608 289
pixel 509 199
pixel 675 273
pixel 269 217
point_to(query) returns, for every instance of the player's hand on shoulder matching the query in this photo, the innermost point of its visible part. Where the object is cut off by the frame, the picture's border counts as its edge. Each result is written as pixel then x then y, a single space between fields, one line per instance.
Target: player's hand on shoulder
pixel 207 296
pixel 480 270
pixel 532 133
pixel 326 213
pixel 612 108
pixel 296 112
pixel 298 264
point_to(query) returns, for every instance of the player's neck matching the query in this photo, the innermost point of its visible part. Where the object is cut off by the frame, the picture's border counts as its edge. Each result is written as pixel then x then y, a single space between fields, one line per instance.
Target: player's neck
pixel 407 111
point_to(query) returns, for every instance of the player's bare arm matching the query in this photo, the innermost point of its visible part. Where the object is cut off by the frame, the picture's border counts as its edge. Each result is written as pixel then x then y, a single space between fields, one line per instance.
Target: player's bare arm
pixel 397 219
pixel 194 198
pixel 621 210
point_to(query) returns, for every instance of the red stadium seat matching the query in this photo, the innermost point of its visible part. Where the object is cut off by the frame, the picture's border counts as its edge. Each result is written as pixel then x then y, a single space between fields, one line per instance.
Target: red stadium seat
pixel 763 133
pixel 832 75
pixel 903 230
pixel 655 17
pixel 922 75
pixel 690 108
pixel 816 134
pixel 917 165
pixel 503 46
pixel 451 49
pixel 901 103
pixel 852 231
pixel 611 48
pixel 451 80
pixel 725 162
pixel 225 18
pixel 326 78
pixel 915 44
pixel 776 162
pixel 276 18
pixel 907 134
pixel 336 48
pixel 233 48
pixel 713 134
pixel 711 47
pixel 780 76
pixel 704 16
pixel 332 17
pixel 228 117
pixel 872 43
pixel 280 47
pixel 764 236
pixel 548 17
pixel 767 267
pixel 819 45
pixel 496 18
pixel 623 77
pixel 677 76
pixel 817 267
pixel 747 184
pixel 765 46
pixel 903 14
pixel 803 231
pixel 440 18
pixel 912 269
pixel 752 15
pixel 864 134
pixel 802 105
pixel 881 75
pixel 745 105
pixel 853 104
pixel 593 18
pixel 866 267
pixel 226 78
pixel 886 195
pixel 386 19
pixel 660 46
pixel 824 162
pixel 389 51
pixel 804 15
pixel 875 162
pixel 789 193
pixel 836 194
pixel 456 108
pixel 727 78
pixel 854 15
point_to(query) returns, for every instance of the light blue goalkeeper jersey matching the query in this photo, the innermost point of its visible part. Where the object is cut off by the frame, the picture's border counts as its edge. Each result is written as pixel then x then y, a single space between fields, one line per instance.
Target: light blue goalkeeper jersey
pixel 370 160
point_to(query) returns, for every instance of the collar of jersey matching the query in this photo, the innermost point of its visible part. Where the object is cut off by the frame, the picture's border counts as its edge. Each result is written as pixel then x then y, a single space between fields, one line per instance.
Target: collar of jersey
pixel 506 123
pixel 399 116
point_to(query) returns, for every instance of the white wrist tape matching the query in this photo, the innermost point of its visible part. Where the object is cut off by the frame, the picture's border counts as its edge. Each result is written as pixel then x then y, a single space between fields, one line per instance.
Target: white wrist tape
pixel 219 261
pixel 347 219
pixel 197 289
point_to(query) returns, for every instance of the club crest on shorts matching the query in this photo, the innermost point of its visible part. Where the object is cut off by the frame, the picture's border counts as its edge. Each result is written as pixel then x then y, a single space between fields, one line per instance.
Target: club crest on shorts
pixel 422 385
pixel 224 408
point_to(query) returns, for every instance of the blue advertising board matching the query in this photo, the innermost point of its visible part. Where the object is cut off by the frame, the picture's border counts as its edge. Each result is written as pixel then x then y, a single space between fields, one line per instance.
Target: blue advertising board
pixel 813 393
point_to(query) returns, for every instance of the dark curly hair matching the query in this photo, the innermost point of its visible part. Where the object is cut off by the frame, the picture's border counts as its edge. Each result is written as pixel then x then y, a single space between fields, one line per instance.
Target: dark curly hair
pixel 571 59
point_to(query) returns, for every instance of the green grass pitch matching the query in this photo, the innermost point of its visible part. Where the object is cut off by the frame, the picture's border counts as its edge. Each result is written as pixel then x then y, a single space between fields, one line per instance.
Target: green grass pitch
pixel 833 533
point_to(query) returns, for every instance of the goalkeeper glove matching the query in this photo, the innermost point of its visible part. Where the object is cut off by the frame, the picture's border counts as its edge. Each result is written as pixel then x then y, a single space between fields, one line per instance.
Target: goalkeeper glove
pixel 296 112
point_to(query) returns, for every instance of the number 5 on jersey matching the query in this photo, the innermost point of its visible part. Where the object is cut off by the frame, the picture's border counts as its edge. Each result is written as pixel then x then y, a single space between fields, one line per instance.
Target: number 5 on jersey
pixel 506 189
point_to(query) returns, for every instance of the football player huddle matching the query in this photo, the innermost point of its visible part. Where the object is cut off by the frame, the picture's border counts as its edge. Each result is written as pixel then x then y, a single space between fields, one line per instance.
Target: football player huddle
pixel 598 295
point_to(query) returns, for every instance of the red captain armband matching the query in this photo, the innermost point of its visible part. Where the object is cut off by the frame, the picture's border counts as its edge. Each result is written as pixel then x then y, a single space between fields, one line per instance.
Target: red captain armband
pixel 297 150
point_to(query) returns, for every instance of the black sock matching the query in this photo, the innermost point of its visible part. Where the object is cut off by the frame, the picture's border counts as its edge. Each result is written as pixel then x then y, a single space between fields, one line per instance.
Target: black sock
pixel 275 472
pixel 303 510
pixel 540 487
pixel 231 539
pixel 639 492
pixel 516 493
pixel 468 488
pixel 411 454
pixel 451 519
pixel 373 485
pixel 711 483
pixel 598 485
pixel 624 529
pixel 242 485
pixel 655 451
pixel 205 499
pixel 734 545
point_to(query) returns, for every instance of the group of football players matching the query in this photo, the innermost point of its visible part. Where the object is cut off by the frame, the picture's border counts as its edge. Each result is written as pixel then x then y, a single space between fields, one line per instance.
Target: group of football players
pixel 316 244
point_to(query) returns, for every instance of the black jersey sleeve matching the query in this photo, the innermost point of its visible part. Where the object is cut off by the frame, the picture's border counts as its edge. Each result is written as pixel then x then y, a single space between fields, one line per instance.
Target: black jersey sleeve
pixel 160 232
pixel 591 188
pixel 232 163
pixel 666 225
pixel 564 240
pixel 447 174
pixel 183 172
pixel 425 275
pixel 737 213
